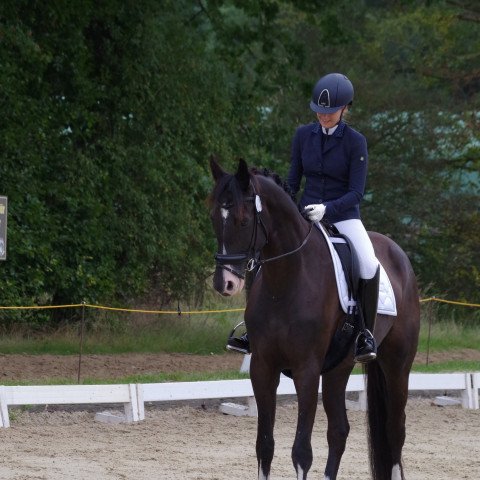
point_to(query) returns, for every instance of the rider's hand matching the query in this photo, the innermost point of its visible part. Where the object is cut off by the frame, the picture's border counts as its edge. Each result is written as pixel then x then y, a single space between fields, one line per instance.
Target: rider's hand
pixel 315 212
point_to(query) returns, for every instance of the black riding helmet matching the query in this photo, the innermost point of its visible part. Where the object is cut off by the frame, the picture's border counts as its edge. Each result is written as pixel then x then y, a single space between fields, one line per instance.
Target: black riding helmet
pixel 331 93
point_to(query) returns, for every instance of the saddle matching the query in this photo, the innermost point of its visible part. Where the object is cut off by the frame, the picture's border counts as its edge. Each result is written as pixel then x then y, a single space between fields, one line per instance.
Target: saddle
pixel 348 330
pixel 347 271
pixel 348 259
pixel 347 274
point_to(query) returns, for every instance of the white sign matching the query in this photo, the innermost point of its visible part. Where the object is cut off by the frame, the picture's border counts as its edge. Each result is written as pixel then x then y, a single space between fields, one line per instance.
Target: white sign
pixel 3 227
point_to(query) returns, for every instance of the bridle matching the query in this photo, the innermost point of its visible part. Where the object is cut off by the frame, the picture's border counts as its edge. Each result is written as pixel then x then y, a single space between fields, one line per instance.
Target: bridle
pixel 252 255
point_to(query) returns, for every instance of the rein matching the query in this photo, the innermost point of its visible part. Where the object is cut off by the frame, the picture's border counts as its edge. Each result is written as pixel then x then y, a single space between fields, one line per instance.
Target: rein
pixel 252 263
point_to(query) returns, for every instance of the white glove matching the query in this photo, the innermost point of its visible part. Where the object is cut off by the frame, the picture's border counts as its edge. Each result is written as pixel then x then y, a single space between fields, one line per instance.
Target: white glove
pixel 315 212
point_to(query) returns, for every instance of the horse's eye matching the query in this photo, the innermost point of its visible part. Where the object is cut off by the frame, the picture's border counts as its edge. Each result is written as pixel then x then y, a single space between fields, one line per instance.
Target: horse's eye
pixel 244 222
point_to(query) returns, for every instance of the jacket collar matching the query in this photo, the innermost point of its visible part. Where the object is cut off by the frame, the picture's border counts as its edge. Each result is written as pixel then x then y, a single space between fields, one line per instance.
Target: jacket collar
pixel 337 133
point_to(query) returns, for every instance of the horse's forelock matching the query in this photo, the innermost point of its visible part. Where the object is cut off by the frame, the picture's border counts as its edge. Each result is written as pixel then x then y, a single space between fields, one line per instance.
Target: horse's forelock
pixel 229 182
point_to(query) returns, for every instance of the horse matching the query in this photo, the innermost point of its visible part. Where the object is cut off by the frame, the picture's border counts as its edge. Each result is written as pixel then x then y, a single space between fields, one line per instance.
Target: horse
pixel 292 313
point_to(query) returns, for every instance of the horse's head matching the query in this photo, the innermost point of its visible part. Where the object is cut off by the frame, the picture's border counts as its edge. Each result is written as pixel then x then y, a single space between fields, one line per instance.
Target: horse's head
pixel 237 224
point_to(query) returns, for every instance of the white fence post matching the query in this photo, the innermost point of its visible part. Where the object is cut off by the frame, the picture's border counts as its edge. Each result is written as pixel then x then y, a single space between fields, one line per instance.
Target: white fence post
pixel 4 419
pixel 131 408
pixel 356 383
pixel 476 390
pixel 245 367
pixel 140 402
pixel 467 394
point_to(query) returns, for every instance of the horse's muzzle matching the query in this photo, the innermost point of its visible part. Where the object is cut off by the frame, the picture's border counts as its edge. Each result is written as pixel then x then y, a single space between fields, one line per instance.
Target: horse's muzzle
pixel 226 281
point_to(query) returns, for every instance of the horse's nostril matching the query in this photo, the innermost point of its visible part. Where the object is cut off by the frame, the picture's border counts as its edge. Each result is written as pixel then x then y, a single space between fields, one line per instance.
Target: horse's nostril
pixel 230 286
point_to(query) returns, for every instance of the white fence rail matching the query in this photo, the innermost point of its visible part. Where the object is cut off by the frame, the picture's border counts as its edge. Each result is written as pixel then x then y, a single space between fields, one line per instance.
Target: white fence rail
pixel 71 395
pixel 475 390
pixel 134 396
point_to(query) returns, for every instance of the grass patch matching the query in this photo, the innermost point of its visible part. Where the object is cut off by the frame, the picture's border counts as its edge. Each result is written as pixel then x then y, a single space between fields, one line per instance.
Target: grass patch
pixel 443 328
pixel 147 378
pixel 199 334
pixel 450 366
pixel 440 367
pixel 192 335
pixel 448 335
pixel 113 332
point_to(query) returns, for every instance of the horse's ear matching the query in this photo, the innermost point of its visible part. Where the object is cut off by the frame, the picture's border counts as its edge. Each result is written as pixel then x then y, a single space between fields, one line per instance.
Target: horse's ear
pixel 243 175
pixel 217 170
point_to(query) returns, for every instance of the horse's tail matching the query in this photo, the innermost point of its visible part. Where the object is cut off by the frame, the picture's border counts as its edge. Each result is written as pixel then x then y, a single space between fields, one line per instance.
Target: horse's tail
pixel 381 461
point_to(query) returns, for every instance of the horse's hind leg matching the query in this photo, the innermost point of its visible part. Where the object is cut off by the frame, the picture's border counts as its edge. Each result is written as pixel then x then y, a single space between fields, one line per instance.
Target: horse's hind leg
pixel 387 392
pixel 397 439
pixel 306 384
pixel 333 397
pixel 397 388
pixel 265 382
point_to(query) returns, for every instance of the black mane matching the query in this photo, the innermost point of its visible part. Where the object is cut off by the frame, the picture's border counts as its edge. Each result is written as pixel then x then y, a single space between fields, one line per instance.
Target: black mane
pixel 228 182
pixel 276 178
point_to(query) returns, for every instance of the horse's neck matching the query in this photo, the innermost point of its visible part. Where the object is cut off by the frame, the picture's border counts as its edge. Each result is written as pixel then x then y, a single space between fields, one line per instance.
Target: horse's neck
pixel 288 232
pixel 286 235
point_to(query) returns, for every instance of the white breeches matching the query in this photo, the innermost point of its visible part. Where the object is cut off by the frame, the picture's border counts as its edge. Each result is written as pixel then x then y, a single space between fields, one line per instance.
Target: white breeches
pixel 356 232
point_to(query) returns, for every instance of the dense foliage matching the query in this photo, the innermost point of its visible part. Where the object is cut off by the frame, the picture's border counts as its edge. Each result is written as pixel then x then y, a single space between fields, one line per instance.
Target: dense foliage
pixel 110 111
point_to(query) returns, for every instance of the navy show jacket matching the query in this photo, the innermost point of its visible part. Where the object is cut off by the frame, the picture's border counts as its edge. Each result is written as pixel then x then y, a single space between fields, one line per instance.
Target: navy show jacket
pixel 335 169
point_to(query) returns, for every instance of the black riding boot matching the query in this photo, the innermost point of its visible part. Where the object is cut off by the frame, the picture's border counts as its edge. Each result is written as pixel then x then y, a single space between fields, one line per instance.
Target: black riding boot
pixel 238 344
pixel 365 345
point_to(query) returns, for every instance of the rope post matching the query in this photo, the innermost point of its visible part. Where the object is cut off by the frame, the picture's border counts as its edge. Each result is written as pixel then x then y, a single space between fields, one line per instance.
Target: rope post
pixel 82 329
pixel 430 316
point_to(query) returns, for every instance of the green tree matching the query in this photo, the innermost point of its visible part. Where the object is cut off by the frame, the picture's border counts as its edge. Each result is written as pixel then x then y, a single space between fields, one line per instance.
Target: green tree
pixel 110 112
pixel 415 67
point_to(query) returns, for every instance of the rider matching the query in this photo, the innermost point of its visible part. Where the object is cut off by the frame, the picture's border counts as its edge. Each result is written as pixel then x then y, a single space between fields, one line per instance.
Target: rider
pixel 333 158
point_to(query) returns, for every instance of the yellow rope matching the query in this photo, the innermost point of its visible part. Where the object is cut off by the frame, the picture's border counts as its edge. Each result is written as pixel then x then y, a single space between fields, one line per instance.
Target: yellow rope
pixel 193 312
pixel 168 312
pixel 441 300
pixel 44 307
pixel 131 310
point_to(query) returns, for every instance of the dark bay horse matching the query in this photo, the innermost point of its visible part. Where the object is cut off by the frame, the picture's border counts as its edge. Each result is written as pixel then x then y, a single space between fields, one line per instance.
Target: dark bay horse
pixel 292 313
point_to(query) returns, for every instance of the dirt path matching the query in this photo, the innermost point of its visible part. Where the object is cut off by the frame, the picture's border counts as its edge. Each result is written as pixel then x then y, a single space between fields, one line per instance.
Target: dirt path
pixel 197 442
pixel 28 367
pixel 34 367
pixel 200 443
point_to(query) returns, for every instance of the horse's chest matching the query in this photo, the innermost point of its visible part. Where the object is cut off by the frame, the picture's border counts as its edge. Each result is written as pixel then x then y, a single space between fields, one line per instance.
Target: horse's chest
pixel 282 308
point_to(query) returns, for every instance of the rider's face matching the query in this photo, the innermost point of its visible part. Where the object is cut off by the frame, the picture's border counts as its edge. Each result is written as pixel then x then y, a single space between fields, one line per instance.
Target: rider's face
pixel 329 120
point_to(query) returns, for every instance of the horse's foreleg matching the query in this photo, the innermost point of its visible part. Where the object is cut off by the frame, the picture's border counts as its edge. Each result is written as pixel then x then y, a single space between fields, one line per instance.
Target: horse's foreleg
pixel 333 396
pixel 265 382
pixel 306 384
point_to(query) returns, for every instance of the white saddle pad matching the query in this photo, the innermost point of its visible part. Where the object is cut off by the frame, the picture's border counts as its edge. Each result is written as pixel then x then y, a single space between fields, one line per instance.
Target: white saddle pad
pixel 386 295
